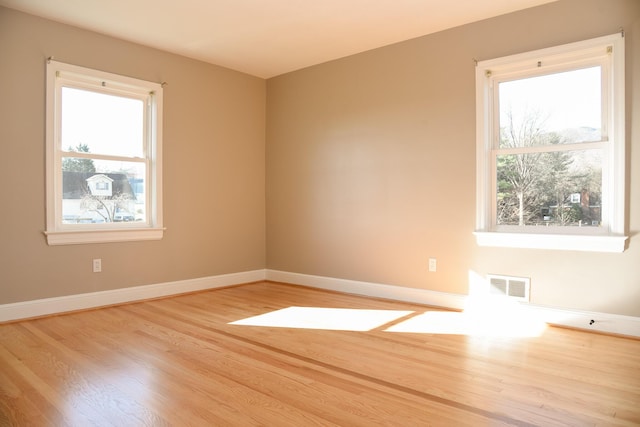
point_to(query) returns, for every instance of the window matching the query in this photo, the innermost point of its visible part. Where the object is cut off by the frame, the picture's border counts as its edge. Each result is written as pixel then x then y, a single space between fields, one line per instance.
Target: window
pixel 550 148
pixel 103 157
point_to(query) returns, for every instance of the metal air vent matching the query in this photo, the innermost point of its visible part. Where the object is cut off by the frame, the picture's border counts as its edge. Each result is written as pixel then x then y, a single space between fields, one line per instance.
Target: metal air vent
pixel 509 286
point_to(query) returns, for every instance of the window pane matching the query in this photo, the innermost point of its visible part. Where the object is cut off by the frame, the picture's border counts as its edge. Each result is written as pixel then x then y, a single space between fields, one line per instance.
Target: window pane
pixel 560 108
pixel 103 124
pixel 98 191
pixel 558 188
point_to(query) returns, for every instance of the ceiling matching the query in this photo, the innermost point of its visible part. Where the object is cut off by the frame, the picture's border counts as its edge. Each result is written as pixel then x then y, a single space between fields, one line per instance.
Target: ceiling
pixel 266 38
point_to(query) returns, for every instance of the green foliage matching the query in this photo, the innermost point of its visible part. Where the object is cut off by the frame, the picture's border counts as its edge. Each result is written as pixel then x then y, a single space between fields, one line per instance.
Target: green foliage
pixel 536 188
pixel 75 164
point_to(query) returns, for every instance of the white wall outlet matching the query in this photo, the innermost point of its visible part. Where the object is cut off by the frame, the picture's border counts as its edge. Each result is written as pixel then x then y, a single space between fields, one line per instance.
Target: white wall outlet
pixel 97 265
pixel 433 265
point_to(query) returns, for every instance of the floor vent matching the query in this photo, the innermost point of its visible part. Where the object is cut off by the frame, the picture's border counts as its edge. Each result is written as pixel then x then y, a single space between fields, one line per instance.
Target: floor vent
pixel 509 286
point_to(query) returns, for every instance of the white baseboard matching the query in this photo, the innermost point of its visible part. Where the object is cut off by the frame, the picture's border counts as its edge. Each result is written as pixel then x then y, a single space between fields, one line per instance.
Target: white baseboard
pixel 588 320
pixel 47 306
pixel 376 290
pixel 602 322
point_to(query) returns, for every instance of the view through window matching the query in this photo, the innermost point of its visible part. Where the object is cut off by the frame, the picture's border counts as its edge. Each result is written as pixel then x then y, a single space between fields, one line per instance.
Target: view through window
pixel 103 167
pixel 549 160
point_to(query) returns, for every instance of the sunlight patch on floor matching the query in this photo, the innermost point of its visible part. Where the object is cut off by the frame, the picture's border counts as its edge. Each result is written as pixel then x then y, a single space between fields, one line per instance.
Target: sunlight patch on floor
pixel 470 324
pixel 340 319
pixel 485 317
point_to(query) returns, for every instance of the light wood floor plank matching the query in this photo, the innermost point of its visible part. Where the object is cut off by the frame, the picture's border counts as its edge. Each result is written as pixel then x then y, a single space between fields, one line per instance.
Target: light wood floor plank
pixel 180 361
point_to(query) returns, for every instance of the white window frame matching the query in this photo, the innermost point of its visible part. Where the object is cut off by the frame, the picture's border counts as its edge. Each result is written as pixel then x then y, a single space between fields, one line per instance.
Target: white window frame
pixel 610 237
pixel 66 75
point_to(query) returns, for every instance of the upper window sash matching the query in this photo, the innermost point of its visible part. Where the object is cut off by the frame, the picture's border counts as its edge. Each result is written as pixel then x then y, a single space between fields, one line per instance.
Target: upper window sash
pixel 495 78
pixel 80 77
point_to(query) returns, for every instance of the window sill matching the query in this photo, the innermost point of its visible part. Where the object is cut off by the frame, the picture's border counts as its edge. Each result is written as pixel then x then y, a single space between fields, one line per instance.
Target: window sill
pixel 607 243
pixel 102 236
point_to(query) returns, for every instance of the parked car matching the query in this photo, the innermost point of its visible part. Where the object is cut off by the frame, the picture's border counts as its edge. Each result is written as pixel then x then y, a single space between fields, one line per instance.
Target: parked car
pixel 123 216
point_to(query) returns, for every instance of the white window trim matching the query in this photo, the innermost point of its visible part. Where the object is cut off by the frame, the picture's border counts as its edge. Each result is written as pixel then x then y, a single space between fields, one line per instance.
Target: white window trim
pixel 61 234
pixel 610 239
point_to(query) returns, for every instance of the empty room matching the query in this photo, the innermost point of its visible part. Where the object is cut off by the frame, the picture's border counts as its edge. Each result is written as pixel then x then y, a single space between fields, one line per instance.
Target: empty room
pixel 320 213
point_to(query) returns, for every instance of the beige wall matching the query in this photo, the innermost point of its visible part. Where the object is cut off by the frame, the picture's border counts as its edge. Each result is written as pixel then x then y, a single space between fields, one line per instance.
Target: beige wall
pixel 371 164
pixel 214 211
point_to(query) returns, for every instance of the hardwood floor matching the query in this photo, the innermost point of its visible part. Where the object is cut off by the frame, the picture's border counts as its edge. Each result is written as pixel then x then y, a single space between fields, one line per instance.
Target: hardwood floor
pixel 179 361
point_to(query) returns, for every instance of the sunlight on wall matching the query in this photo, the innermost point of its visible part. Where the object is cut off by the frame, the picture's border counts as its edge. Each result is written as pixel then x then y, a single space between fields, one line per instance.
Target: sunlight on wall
pixel 493 315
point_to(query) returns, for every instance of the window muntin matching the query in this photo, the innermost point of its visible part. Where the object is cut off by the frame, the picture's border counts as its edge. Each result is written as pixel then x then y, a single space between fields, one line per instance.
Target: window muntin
pixel 551 132
pixel 103 156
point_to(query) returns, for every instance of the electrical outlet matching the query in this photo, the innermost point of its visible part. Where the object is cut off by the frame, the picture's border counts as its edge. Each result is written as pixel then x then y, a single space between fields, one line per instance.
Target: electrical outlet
pixel 97 265
pixel 433 265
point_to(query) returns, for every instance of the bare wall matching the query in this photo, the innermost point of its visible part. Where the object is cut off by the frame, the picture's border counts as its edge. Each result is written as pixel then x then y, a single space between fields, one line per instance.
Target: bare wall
pixel 214 164
pixel 371 164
